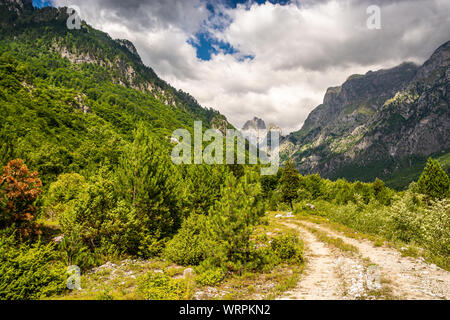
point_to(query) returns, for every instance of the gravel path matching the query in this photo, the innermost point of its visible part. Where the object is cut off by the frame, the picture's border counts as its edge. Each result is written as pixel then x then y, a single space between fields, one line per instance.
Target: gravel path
pixel 333 274
pixel 320 280
pixel 409 278
pixel 330 274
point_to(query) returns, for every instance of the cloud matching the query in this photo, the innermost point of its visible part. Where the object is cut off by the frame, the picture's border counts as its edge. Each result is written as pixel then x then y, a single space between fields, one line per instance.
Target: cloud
pixel 299 49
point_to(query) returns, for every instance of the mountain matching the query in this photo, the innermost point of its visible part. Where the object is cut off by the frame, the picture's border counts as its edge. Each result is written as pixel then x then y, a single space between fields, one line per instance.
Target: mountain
pixel 70 99
pixel 382 124
pixel 254 131
pixel 257 133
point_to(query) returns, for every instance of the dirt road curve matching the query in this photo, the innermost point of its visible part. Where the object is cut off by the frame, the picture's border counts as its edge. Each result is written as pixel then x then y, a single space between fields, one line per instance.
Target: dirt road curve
pixel 370 273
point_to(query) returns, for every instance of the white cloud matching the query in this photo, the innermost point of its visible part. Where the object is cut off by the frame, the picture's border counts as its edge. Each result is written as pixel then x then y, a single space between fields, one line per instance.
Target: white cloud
pixel 299 49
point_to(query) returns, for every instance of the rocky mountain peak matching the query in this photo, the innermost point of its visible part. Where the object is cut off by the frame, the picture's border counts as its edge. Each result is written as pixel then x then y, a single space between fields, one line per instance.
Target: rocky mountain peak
pixel 439 59
pixel 255 124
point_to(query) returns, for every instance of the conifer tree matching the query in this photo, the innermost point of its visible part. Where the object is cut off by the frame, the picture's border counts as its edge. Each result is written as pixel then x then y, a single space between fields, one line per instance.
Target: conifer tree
pixel 151 184
pixel 204 183
pixel 290 183
pixel 234 216
pixel 434 182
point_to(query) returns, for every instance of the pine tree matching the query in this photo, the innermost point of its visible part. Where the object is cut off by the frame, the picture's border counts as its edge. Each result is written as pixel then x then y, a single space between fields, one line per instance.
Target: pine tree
pixel 234 216
pixel 150 183
pixel 204 183
pixel 434 182
pixel 290 183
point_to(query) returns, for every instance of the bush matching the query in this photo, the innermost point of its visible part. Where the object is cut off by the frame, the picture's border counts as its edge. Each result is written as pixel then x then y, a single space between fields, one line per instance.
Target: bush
pixel 406 220
pixel 188 246
pixel 101 219
pixel 159 286
pixel 210 277
pixel 61 192
pixel 29 271
pixel 436 228
pixel 288 248
pixel 263 258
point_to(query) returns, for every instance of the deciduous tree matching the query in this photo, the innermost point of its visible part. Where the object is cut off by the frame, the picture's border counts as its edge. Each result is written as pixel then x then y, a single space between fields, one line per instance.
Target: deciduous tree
pixel 19 189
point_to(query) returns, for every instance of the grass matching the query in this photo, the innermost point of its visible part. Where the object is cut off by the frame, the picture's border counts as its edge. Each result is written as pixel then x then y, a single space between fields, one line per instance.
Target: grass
pixel 120 280
pixel 332 241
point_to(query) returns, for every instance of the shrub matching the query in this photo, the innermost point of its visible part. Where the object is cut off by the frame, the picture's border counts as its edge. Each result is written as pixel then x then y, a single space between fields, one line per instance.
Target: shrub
pixel 406 220
pixel 100 219
pixel 159 286
pixel 436 228
pixel 65 189
pixel 210 277
pixel 189 245
pixel 313 184
pixel 29 271
pixel 288 247
pixel 263 258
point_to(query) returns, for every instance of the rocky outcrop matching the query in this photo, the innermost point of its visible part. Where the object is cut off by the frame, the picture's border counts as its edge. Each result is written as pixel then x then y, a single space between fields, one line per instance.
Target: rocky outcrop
pixel 254 124
pixel 255 131
pixel 381 117
pixel 129 46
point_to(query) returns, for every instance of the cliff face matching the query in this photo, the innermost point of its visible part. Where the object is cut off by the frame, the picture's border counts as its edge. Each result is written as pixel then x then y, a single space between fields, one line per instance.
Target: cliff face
pixel 376 121
pixel 254 124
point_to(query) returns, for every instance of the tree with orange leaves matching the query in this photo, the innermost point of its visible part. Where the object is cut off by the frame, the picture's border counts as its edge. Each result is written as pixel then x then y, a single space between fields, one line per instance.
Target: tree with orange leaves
pixel 19 189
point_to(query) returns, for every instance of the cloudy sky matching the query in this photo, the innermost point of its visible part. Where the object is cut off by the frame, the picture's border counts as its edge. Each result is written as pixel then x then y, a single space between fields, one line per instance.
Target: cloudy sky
pixel 271 59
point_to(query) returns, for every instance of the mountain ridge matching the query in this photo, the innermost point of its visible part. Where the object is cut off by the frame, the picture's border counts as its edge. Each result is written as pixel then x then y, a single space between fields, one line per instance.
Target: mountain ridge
pixel 377 120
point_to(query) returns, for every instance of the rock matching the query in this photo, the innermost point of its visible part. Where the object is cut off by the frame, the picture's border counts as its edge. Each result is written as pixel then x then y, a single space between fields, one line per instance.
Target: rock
pixel 289 214
pixel 188 273
pixel 279 216
pixel 174 140
pixel 58 239
pixel 311 206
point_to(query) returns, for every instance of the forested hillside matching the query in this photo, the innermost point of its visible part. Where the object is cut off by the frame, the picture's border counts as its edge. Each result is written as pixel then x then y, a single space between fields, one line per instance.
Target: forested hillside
pixel 72 98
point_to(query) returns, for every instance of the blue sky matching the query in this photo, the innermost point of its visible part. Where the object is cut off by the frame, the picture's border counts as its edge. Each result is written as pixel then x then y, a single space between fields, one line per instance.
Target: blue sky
pixel 41 3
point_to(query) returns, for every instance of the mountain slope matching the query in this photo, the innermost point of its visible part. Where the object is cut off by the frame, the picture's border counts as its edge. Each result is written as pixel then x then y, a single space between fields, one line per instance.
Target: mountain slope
pixel 70 99
pixel 379 123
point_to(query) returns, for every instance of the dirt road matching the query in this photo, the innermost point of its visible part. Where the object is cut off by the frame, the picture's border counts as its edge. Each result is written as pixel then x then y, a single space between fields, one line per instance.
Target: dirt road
pixel 367 272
